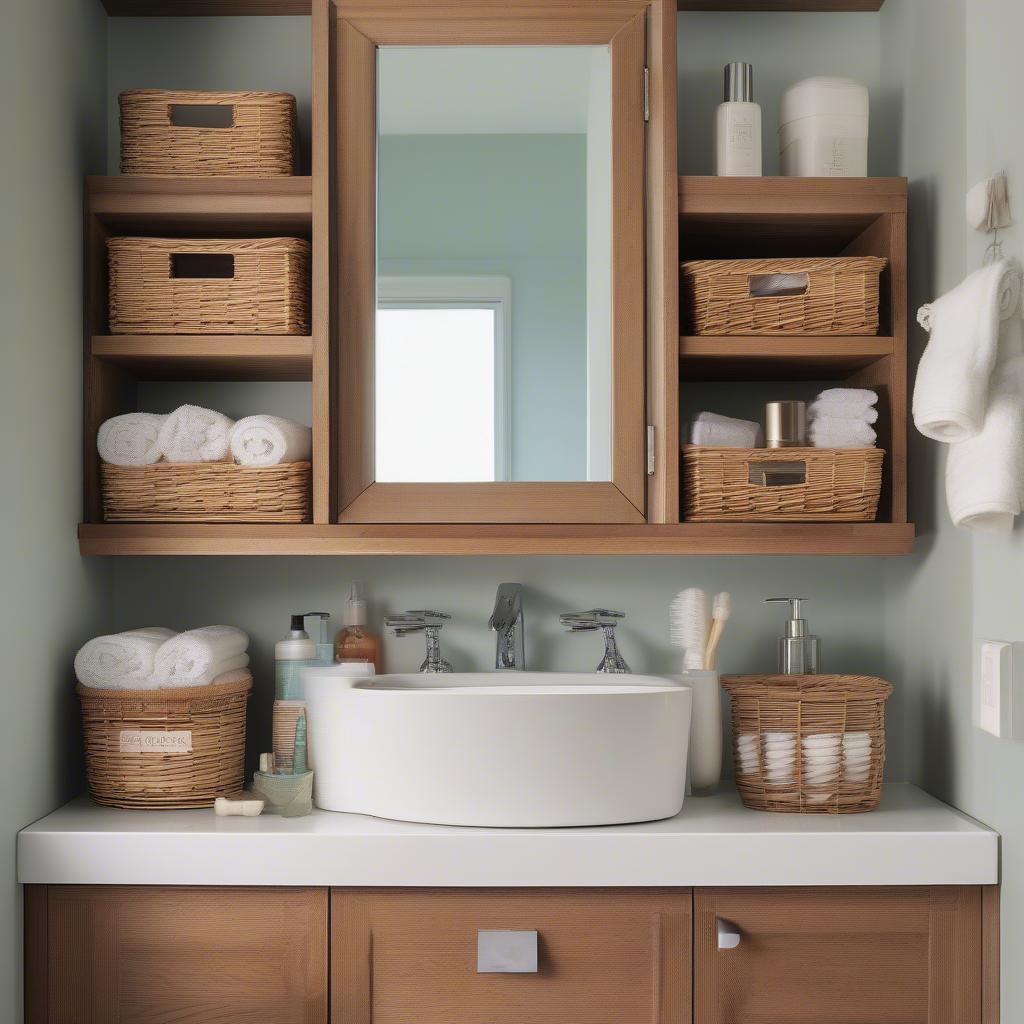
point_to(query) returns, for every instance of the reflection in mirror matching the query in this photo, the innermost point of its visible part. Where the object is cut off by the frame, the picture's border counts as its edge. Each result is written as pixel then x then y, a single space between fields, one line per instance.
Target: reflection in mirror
pixel 493 342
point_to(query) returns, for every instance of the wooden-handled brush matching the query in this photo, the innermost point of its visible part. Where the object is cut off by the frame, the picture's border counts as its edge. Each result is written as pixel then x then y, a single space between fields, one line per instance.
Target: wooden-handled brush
pixel 720 611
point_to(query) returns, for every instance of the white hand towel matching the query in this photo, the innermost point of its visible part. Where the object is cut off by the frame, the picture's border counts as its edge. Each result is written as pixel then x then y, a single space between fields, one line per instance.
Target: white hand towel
pixel 985 474
pixel 197 657
pixel 194 434
pixel 130 440
pixel 841 411
pixel 951 392
pixel 269 441
pixel 841 434
pixel 725 432
pixel 121 661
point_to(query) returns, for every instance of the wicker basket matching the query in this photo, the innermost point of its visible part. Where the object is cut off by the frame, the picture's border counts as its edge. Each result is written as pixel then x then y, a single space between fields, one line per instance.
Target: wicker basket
pixel 261 287
pixel 833 296
pixel 206 492
pixel 171 748
pixel 734 484
pixel 810 744
pixel 258 142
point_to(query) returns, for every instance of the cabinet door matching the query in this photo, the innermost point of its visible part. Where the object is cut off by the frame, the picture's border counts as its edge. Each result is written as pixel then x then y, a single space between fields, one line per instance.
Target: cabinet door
pixel 604 957
pixel 846 956
pixel 120 954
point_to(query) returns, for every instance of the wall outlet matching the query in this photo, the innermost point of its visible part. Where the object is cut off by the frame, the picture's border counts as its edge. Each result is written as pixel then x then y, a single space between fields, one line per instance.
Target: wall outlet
pixel 999 689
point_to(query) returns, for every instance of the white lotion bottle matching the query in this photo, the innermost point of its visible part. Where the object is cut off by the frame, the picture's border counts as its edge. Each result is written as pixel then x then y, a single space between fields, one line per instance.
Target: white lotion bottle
pixel 738 125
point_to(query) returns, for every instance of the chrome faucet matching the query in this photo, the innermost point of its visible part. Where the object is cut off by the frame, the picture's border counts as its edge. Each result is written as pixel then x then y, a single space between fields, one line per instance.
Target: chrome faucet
pixel 605 620
pixel 507 621
pixel 429 624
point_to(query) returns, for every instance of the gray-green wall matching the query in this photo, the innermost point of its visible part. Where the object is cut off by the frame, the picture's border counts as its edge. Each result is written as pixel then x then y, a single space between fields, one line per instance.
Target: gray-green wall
pixel 52 68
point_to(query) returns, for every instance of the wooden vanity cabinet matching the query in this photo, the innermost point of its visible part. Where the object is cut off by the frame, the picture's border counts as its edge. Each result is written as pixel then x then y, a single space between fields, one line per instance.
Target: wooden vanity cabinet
pixel 170 954
pixel 141 955
pixel 843 955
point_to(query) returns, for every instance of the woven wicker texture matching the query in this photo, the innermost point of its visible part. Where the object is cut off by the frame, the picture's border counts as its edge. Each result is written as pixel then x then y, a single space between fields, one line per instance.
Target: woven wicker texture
pixel 810 744
pixel 268 294
pixel 840 485
pixel 206 492
pixel 841 296
pixel 260 141
pixel 215 717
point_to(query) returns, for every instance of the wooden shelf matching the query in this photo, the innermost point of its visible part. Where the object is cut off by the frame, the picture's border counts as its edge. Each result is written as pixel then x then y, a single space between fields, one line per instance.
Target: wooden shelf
pixel 779 358
pixel 183 206
pixel 208 357
pixel 684 539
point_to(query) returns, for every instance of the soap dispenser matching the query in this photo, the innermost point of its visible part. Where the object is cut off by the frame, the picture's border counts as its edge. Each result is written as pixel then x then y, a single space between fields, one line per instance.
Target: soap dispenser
pixel 738 125
pixel 324 646
pixel 798 650
pixel 354 641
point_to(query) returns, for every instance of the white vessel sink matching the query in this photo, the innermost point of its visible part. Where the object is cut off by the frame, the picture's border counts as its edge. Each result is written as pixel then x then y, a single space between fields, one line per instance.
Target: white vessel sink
pixel 505 749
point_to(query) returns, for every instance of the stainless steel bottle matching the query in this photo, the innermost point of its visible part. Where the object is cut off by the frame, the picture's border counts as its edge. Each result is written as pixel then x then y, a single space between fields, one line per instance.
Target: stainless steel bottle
pixel 798 650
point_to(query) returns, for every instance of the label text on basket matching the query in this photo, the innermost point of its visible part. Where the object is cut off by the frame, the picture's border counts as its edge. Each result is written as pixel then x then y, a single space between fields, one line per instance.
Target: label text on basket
pixel 149 741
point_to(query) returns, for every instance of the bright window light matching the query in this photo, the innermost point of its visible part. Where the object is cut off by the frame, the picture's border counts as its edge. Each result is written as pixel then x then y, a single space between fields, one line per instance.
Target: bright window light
pixel 435 393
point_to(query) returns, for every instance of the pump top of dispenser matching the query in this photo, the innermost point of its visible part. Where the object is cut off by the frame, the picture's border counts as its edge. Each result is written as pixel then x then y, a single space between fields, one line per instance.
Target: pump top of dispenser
pixel 739 82
pixel 324 645
pixel 799 650
pixel 355 607
pixel 298 628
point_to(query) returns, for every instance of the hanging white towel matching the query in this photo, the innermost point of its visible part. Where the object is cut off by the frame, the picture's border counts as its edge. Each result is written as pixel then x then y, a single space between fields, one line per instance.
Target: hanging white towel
pixel 131 440
pixel 269 441
pixel 194 434
pixel 985 474
pixel 725 432
pixel 121 661
pixel 198 656
pixel 951 393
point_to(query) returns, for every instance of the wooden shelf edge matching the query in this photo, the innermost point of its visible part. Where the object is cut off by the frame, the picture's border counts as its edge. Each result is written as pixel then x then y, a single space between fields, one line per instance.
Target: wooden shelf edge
pixel 709 195
pixel 193 8
pixel 806 6
pixel 681 539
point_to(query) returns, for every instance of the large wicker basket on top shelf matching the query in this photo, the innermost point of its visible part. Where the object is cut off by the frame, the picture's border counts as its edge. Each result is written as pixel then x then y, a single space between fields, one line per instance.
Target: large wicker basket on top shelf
pixel 834 295
pixel 809 744
pixel 209 285
pixel 258 139
pixel 168 748
pixel 734 484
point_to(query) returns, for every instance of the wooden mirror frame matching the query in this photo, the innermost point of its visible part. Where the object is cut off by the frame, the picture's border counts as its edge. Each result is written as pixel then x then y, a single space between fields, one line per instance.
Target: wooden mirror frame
pixel 355 29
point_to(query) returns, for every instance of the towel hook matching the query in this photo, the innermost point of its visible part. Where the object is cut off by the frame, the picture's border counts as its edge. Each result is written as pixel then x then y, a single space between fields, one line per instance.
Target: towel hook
pixel 988 210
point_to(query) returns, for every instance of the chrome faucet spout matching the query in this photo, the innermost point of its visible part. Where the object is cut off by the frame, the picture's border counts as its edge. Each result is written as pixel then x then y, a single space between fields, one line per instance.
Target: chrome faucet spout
pixel 507 621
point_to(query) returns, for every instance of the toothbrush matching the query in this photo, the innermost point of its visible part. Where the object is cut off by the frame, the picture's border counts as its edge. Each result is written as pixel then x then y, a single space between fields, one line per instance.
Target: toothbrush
pixel 720 610
pixel 688 626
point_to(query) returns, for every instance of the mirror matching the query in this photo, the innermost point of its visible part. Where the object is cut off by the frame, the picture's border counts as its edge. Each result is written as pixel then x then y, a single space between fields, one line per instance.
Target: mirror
pixel 493 351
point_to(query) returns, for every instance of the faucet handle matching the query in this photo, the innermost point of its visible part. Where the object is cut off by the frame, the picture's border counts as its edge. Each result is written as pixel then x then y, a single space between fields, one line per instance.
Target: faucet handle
pixel 429 623
pixel 596 618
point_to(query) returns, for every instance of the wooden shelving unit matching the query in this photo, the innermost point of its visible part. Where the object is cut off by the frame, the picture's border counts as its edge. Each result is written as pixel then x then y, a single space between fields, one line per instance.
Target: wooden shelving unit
pixel 195 207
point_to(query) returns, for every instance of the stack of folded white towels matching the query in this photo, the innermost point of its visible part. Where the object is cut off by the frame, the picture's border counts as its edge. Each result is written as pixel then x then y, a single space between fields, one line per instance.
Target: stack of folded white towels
pixel 843 418
pixel 194 434
pixel 154 658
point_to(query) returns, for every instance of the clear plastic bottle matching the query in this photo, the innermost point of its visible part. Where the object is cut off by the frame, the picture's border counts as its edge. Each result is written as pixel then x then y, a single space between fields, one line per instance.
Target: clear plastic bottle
pixel 354 641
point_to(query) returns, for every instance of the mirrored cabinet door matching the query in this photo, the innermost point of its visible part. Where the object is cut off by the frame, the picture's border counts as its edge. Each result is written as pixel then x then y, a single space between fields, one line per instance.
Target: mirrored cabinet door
pixel 489 224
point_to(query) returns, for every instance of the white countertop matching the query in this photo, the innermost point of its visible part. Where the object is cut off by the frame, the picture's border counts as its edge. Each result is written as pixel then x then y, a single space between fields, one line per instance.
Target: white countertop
pixel 911 839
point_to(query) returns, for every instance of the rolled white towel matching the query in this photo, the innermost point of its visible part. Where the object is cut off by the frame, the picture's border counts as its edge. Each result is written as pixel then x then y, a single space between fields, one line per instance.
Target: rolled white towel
pixel 194 434
pixel 954 375
pixel 832 434
pixel 716 431
pixel 131 440
pixel 198 656
pixel 985 474
pixel 269 441
pixel 841 411
pixel 121 661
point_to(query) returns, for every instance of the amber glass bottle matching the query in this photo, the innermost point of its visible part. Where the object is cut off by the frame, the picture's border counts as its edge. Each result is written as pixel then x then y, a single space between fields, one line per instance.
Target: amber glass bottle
pixel 354 641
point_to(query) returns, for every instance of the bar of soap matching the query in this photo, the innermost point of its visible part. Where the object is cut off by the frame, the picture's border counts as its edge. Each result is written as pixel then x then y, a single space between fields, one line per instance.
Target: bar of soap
pixel 247 806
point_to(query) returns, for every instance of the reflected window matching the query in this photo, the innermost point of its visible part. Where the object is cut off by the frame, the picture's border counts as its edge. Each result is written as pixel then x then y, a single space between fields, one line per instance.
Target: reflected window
pixel 442 379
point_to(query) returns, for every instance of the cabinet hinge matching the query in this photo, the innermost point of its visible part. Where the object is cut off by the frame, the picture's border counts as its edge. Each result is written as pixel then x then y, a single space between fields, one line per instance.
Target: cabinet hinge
pixel 647 95
pixel 650 450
